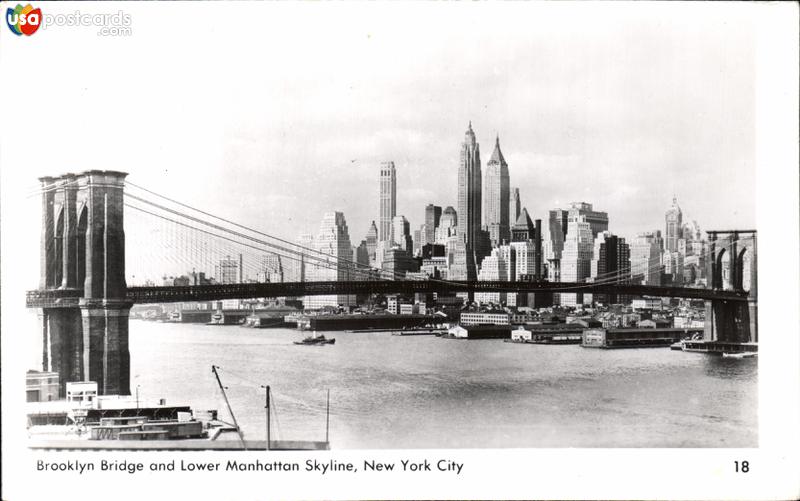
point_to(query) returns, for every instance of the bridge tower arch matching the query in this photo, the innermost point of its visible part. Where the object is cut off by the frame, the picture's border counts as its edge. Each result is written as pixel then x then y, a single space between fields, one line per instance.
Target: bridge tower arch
pixel 83 253
pixel 732 253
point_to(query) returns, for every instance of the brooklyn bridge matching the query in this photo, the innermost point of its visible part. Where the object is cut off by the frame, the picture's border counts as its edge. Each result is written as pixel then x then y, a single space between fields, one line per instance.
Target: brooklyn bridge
pixel 85 298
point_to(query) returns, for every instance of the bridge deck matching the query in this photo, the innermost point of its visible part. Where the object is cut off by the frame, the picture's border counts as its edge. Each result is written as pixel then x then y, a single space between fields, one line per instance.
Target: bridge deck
pixel 70 298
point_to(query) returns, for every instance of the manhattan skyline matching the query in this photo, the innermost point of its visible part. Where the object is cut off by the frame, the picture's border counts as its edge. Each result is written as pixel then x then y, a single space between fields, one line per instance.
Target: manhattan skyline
pixel 585 114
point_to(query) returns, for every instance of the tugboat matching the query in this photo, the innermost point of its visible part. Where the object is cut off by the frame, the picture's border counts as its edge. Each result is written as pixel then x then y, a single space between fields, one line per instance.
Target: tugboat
pixel 316 340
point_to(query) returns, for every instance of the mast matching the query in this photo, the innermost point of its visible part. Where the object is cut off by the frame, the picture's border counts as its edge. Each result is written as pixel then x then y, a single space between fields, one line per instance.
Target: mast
pixel 266 406
pixel 228 405
pixel 328 415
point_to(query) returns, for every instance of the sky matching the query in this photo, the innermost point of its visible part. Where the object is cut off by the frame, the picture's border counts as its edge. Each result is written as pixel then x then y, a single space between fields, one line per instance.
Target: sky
pixel 272 114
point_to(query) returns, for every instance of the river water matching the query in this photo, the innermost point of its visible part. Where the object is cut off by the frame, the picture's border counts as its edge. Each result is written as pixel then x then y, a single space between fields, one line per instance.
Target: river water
pixel 428 392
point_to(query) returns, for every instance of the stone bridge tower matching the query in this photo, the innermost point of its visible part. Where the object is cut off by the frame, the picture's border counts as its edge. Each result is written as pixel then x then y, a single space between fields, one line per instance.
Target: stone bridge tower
pixel 85 332
pixel 732 264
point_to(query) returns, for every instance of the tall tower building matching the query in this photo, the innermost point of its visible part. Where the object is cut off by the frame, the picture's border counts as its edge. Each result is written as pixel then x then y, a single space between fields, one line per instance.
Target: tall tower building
pixel 646 265
pixel 496 197
pixel 388 200
pixel 372 242
pixel 469 189
pixel 229 270
pixel 598 221
pixel 576 258
pixel 433 214
pixel 447 225
pixel 336 264
pixel 610 263
pixel 469 201
pixel 401 229
pixel 516 205
pixel 674 230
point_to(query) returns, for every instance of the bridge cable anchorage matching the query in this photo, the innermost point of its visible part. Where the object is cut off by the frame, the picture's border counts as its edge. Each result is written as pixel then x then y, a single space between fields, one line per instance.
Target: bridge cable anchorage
pixel 358 267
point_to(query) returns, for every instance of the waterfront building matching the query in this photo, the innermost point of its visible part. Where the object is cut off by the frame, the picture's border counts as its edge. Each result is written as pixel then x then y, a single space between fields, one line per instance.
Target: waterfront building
pixel 496 197
pixel 515 205
pixel 483 318
pixel 674 226
pixel 401 231
pixel 333 246
pixel 576 258
pixel 388 200
pixel 469 198
pixel 646 258
pixel 610 263
pixel 372 242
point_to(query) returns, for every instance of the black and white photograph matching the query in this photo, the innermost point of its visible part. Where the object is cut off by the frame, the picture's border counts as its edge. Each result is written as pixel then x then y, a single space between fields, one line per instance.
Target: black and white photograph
pixel 307 250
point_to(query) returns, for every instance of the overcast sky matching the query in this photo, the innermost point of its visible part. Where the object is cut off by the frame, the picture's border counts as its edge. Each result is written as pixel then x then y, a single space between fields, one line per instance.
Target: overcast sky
pixel 272 114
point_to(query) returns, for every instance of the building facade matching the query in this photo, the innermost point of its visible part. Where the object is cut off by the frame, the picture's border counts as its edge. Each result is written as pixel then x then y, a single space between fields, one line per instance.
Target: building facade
pixel 335 262
pixel 496 197
pixel 388 200
pixel 469 196
pixel 674 226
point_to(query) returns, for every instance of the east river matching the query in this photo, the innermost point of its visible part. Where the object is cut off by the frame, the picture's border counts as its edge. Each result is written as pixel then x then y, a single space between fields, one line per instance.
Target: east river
pixel 427 392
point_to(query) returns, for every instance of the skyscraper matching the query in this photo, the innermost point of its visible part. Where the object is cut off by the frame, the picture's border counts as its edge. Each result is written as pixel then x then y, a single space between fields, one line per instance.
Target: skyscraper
pixel 469 189
pixel 433 214
pixel 229 270
pixel 610 263
pixel 401 229
pixel 469 200
pixel 516 205
pixel 496 197
pixel 447 225
pixel 646 259
pixel 336 264
pixel 372 242
pixel 598 221
pixel 388 200
pixel 576 258
pixel 674 230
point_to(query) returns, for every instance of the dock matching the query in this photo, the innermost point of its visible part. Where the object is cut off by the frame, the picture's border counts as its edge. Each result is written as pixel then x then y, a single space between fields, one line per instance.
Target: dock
pixel 178 445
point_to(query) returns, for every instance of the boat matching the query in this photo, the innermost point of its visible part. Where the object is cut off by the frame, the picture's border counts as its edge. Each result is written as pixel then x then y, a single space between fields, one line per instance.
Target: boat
pixel 676 346
pixel 746 354
pixel 316 340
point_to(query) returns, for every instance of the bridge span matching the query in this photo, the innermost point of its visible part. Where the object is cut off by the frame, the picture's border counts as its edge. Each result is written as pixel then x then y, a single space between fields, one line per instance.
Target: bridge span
pixel 70 298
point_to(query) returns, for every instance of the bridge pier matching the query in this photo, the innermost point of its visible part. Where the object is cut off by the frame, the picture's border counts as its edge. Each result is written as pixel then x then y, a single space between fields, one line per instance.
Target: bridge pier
pixel 61 329
pixel 85 333
pixel 731 321
pixel 105 340
pixel 732 266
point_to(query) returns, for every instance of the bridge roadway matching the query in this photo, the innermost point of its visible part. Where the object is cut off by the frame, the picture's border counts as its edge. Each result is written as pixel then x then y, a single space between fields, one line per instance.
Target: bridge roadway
pixel 70 298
